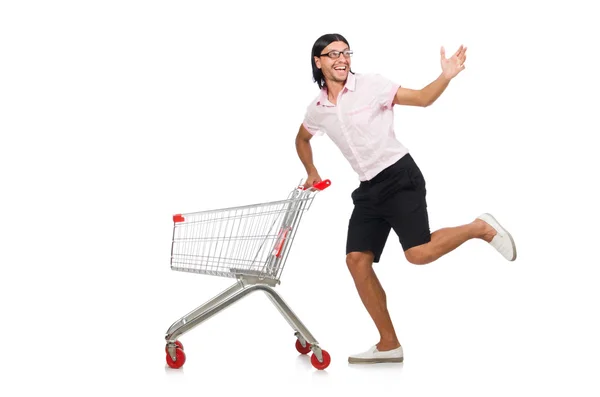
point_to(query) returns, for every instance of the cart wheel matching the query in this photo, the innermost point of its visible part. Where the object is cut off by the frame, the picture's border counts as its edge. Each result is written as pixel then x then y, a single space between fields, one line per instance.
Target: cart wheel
pixel 301 349
pixel 180 355
pixel 318 365
pixel 179 345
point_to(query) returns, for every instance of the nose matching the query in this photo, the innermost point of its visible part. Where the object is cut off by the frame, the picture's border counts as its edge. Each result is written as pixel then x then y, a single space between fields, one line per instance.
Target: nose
pixel 342 60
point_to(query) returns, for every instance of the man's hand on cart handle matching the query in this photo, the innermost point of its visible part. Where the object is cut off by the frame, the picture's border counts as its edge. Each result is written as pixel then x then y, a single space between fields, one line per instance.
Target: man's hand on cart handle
pixel 312 179
pixel 317 184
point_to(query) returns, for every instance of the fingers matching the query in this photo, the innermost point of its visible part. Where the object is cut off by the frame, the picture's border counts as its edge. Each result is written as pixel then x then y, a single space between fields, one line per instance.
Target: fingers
pixel 460 51
pixel 461 56
pixel 315 181
pixel 311 181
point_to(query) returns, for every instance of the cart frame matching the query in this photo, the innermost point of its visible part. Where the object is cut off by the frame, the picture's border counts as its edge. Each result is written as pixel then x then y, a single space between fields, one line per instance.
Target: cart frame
pixel 260 275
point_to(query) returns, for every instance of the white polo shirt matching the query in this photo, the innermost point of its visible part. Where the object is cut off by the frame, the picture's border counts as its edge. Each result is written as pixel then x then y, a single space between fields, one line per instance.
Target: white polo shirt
pixel 361 124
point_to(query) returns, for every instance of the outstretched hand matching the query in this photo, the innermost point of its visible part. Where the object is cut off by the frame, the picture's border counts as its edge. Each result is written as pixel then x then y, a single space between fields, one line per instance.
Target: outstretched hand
pixel 455 64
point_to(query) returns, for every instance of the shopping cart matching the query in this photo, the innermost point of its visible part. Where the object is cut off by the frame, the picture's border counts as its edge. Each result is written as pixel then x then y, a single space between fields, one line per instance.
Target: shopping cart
pixel 249 243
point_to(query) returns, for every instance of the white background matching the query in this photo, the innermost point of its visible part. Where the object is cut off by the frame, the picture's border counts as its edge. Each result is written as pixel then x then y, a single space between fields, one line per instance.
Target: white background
pixel 115 115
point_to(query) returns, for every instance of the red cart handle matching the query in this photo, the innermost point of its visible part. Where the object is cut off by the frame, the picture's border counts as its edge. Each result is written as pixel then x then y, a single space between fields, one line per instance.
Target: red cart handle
pixel 177 218
pixel 320 185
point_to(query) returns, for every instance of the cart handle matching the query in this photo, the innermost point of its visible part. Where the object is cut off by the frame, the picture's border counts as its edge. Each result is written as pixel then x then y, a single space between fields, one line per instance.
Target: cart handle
pixel 320 185
pixel 178 218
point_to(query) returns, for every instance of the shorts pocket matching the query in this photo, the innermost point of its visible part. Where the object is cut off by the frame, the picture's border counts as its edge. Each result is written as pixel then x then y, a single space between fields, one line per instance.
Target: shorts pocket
pixel 359 195
pixel 416 178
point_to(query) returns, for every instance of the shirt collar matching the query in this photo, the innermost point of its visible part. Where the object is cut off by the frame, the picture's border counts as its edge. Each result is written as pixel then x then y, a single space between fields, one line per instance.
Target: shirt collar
pixel 350 86
pixel 351 82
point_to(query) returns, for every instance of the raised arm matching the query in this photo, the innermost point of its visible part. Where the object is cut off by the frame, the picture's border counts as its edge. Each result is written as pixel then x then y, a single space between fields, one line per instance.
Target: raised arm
pixel 428 95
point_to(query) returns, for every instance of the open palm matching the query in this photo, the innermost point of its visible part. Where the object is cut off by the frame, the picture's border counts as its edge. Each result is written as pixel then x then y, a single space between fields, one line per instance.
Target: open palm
pixel 455 64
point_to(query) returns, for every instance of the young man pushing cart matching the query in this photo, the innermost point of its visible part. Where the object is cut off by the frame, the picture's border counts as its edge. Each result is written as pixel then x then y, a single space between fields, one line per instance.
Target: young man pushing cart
pixel 356 112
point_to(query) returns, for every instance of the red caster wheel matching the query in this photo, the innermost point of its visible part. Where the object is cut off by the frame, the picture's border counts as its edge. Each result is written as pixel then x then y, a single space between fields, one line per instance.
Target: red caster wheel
pixel 318 365
pixel 301 349
pixel 179 345
pixel 180 355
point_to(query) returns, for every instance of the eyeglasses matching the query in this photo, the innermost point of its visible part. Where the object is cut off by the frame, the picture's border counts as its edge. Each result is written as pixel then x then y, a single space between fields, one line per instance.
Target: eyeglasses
pixel 336 54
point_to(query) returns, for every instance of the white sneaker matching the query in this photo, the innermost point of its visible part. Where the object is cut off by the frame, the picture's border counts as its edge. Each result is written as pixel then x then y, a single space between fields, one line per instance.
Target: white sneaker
pixel 373 355
pixel 502 241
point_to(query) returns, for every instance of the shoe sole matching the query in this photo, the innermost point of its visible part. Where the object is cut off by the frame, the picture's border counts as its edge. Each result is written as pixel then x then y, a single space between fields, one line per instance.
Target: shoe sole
pixel 512 241
pixel 375 360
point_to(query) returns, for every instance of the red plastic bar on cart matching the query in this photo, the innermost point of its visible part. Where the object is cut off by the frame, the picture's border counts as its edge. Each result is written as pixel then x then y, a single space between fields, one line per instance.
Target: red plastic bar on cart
pixel 322 185
pixel 178 218
pixel 281 241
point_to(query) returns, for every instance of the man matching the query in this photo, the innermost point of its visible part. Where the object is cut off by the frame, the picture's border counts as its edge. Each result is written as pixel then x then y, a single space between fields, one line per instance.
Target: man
pixel 356 112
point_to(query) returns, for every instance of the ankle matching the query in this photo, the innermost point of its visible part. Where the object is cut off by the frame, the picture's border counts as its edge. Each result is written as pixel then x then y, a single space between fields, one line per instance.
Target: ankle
pixel 478 229
pixel 484 230
pixel 384 345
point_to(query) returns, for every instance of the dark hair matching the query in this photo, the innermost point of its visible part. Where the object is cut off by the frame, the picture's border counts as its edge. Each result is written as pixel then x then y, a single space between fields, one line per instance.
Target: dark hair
pixel 319 45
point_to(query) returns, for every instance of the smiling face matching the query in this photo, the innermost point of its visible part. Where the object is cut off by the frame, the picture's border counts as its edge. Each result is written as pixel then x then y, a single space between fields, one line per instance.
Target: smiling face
pixel 336 65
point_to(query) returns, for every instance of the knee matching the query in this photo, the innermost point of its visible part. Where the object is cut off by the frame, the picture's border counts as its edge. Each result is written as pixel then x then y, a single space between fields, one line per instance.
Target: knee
pixel 418 256
pixel 359 262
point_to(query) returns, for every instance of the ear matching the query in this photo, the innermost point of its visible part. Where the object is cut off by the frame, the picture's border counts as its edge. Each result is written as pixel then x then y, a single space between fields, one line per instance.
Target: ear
pixel 318 62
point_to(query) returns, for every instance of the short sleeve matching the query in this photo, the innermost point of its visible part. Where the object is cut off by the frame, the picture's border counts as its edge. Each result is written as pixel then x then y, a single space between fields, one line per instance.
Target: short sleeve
pixel 385 90
pixel 310 125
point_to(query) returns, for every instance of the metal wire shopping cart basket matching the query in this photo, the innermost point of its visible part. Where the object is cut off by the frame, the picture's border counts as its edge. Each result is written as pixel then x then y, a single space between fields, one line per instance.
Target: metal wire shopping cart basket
pixel 249 243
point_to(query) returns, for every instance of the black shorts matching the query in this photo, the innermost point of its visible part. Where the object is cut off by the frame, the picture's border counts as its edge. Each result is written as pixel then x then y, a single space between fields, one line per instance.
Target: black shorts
pixel 393 199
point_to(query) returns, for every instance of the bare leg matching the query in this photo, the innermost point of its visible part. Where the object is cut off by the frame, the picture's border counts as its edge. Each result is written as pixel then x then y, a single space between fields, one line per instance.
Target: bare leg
pixel 448 239
pixel 373 297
